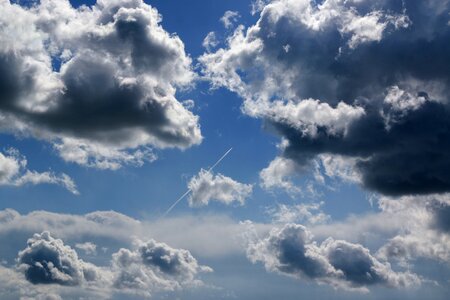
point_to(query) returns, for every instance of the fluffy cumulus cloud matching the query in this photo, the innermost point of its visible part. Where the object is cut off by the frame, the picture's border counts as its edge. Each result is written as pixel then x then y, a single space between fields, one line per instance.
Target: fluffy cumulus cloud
pixel 155 265
pixel 291 251
pixel 47 260
pixel 279 173
pixel 144 269
pixel 345 78
pixel 206 187
pixel 14 172
pixel 325 170
pixel 134 256
pixel 98 82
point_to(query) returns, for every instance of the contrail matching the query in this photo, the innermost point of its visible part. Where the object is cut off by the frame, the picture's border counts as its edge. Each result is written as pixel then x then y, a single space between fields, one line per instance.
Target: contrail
pixel 220 159
pixel 189 190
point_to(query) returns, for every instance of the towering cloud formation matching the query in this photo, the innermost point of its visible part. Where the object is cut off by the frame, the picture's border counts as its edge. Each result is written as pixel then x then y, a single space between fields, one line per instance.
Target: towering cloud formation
pixel 366 80
pixel 98 82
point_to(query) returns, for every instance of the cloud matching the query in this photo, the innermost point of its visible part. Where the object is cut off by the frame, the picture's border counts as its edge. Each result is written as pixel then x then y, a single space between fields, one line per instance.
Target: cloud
pixel 98 82
pixel 310 214
pixel 88 248
pixel 155 264
pixel 340 167
pixel 210 41
pixel 146 268
pixel 206 187
pixel 404 229
pixel 409 220
pixel 101 157
pixel 229 18
pixel 14 172
pixel 291 251
pixel 47 260
pixel 425 233
pixel 362 80
pixel 114 231
pixel 278 174
pixel 158 265
pixel 258 5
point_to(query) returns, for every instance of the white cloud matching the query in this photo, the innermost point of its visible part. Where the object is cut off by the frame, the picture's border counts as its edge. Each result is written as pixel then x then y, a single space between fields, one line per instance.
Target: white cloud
pixel 325 75
pixel 88 248
pixel 102 157
pixel 229 18
pixel 154 265
pixel 310 214
pixel 146 268
pixel 279 173
pixel 114 230
pixel 206 187
pixel 291 251
pixel 308 115
pixel 258 5
pixel 425 224
pixel 113 96
pixel 406 228
pixel 14 172
pixel 255 50
pixel 408 224
pixel 340 167
pixel 210 41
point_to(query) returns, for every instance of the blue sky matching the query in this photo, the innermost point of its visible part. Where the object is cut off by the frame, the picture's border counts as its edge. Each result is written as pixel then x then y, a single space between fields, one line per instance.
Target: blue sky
pixel 336 186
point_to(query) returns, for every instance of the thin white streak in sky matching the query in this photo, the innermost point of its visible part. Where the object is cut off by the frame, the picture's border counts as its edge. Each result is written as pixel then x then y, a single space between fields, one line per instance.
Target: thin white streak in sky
pixel 189 190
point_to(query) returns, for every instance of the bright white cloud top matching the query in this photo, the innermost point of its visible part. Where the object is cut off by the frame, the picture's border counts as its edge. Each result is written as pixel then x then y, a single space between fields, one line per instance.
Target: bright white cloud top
pixel 206 187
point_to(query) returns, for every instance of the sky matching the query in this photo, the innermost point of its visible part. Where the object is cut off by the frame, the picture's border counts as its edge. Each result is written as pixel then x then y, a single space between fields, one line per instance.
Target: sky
pixel 326 124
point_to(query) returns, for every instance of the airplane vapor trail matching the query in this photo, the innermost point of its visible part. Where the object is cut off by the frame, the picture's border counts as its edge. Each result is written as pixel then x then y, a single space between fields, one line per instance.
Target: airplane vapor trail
pixel 189 190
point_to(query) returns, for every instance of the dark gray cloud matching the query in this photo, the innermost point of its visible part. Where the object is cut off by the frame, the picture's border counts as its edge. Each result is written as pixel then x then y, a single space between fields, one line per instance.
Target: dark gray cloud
pixel 115 89
pixel 379 71
pixel 291 250
pixel 409 158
